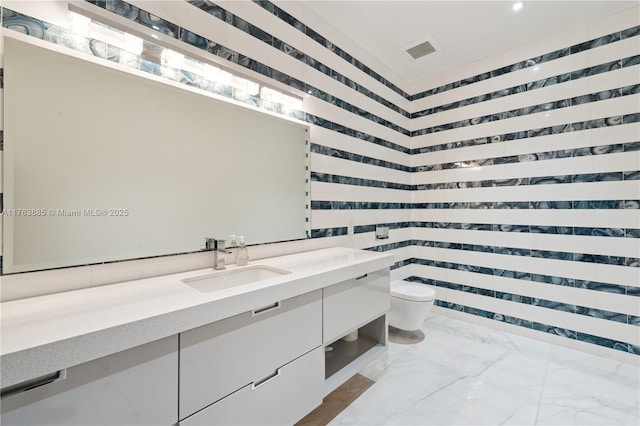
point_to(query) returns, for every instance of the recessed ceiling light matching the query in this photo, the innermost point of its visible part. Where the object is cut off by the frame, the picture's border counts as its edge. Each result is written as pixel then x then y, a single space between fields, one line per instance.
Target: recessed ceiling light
pixel 518 5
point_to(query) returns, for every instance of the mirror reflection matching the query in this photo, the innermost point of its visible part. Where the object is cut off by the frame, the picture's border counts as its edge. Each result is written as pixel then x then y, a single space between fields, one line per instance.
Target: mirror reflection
pixel 103 165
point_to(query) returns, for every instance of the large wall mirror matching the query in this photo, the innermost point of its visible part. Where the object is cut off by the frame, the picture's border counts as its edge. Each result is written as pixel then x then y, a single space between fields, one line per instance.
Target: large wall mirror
pixel 108 165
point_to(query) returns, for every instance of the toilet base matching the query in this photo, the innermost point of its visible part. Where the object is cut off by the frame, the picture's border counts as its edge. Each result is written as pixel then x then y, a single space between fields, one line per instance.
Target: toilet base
pixel 405 337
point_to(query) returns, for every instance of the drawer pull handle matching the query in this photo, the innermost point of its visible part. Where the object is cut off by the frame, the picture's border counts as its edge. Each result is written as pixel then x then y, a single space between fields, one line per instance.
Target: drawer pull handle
pixel 361 277
pixel 255 385
pixel 265 309
pixel 34 383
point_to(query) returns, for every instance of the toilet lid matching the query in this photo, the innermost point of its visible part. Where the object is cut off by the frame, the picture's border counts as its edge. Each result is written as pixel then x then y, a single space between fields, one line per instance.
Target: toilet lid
pixel 412 291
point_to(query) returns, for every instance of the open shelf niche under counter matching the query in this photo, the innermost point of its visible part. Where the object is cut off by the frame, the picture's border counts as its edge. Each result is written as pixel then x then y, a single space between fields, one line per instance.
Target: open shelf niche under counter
pixel 344 358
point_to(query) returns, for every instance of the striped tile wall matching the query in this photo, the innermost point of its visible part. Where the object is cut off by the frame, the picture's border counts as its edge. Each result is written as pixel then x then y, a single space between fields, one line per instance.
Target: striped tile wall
pixel 514 192
pixel 528 179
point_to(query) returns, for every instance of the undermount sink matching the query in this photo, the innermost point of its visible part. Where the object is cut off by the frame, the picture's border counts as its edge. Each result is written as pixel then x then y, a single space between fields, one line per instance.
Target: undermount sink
pixel 234 277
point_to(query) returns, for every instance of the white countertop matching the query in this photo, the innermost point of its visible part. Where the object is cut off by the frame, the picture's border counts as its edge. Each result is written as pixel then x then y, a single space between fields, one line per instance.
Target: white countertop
pixel 43 334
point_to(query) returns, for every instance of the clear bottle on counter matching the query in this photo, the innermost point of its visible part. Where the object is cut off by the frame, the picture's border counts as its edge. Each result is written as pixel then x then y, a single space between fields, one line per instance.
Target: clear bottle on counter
pixel 242 254
pixel 231 249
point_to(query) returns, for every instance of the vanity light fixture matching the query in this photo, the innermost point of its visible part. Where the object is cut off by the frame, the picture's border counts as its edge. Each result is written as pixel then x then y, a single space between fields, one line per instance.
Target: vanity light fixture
pixel 172 60
pixel 517 6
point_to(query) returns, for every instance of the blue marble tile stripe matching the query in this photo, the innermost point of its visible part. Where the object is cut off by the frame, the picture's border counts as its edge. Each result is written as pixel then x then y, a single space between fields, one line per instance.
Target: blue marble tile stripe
pixel 496 227
pixel 489 183
pixel 570 334
pixel 339 128
pixel 533 133
pixel 527 181
pixel 532 156
pixel 528 300
pixel 345 180
pixel 534 85
pixel 532 277
pixel 329 232
pixel 226 16
pixel 526 157
pixel 401 263
pixel 580 204
pixel 346 155
pixel 533 109
pixel 560 53
pixel 526 252
pixel 356 205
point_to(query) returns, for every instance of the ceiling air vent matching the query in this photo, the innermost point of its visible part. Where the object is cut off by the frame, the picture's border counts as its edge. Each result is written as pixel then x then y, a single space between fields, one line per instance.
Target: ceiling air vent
pixel 421 49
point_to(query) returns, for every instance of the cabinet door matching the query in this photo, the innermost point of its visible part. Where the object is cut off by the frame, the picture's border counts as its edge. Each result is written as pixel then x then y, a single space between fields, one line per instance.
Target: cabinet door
pixel 138 386
pixel 352 303
pixel 220 358
pixel 282 398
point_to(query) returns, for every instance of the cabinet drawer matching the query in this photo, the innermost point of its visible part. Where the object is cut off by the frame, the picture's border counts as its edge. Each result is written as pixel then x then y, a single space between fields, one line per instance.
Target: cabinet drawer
pixel 282 398
pixel 352 303
pixel 138 386
pixel 220 358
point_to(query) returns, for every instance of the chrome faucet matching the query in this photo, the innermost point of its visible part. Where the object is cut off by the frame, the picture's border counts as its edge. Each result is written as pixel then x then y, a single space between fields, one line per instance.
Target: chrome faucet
pixel 217 246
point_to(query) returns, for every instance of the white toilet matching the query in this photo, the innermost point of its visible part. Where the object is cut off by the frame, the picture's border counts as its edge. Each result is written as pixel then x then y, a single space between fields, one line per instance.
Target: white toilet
pixel 410 303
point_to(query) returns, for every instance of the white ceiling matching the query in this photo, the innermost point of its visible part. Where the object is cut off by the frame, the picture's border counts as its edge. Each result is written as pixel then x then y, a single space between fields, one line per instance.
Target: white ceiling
pixel 461 31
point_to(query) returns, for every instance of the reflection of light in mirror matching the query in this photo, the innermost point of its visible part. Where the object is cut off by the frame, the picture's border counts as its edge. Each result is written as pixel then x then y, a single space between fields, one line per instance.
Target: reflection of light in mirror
pixel 216 74
pixel 132 44
pixel 245 85
pixel 172 59
pixel 85 27
pixel 271 95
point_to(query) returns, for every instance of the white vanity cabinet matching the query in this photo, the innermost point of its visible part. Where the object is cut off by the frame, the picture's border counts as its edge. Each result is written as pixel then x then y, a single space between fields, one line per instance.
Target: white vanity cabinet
pixel 260 356
pixel 134 387
pixel 263 366
pixel 353 303
pixel 279 399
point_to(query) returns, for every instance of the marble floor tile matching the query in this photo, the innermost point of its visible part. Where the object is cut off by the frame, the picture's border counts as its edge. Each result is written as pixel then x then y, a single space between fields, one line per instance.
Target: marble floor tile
pixel 466 374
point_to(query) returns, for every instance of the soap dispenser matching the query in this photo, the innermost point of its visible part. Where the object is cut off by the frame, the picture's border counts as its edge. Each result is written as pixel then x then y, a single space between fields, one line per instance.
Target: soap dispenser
pixel 242 255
